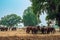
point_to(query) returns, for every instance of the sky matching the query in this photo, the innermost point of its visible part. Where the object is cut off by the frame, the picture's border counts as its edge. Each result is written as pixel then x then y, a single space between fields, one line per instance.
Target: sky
pixel 17 7
pixel 42 18
pixel 13 6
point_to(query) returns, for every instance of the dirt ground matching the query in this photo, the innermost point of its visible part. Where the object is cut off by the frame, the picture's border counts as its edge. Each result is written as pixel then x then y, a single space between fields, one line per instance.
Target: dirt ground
pixel 20 34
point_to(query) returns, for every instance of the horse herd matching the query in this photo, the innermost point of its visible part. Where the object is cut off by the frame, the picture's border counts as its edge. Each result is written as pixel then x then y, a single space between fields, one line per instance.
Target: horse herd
pixel 43 30
pixel 6 28
pixel 32 29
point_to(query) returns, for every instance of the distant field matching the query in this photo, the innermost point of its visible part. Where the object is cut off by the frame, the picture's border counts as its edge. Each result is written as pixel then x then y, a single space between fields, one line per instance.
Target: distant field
pixel 20 34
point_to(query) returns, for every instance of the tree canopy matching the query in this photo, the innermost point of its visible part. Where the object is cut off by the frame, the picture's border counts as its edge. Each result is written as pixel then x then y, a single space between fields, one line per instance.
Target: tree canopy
pixel 43 5
pixel 10 20
pixel 29 18
pixel 51 7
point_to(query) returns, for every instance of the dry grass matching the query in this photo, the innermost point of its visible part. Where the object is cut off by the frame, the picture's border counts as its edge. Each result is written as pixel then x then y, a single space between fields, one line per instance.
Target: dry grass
pixel 22 35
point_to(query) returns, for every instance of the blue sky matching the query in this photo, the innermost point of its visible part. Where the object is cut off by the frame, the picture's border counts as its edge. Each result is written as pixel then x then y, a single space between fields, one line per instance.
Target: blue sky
pixel 13 6
pixel 42 18
pixel 17 7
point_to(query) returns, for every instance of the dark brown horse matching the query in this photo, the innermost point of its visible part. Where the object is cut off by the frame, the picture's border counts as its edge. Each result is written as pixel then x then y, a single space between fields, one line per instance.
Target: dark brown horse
pixel 14 29
pixel 32 29
pixel 47 30
pixel 50 30
pixel 3 28
pixel 43 30
pixel 28 29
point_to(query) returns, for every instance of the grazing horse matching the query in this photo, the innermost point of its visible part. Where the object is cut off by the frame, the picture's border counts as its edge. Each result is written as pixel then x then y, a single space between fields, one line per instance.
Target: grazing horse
pixel 47 30
pixel 43 30
pixel 14 29
pixel 3 28
pixel 32 29
pixel 28 29
pixel 50 30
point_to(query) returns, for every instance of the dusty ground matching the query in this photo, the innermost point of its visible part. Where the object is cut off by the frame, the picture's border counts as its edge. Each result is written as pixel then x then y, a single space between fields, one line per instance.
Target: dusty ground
pixel 22 35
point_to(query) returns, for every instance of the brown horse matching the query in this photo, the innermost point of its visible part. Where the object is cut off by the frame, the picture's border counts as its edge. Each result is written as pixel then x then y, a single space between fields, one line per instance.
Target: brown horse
pixel 14 29
pixel 43 30
pixel 28 29
pixel 50 30
pixel 3 28
pixel 47 30
pixel 32 29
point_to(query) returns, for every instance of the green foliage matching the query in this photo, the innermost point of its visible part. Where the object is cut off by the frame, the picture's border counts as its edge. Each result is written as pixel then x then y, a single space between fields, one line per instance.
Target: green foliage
pixel 38 6
pixel 10 20
pixel 44 4
pixel 52 7
pixel 29 18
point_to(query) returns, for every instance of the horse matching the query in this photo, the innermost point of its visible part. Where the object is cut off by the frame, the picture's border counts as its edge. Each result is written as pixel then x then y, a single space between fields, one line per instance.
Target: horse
pixel 32 29
pixel 3 28
pixel 14 29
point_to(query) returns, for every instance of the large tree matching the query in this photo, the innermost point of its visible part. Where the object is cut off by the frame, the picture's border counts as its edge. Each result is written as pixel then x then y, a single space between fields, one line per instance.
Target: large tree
pixel 51 7
pixel 43 5
pixel 29 18
pixel 10 20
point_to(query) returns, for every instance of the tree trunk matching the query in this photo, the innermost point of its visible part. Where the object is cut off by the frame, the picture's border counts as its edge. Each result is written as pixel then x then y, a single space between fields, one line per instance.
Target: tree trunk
pixel 10 28
pixel 59 29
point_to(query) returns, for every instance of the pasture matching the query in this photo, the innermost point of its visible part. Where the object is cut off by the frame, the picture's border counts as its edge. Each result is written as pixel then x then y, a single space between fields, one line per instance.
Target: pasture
pixel 20 34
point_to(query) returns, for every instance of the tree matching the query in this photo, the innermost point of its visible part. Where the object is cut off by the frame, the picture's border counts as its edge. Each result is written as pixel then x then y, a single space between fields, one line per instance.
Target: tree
pixel 51 7
pixel 10 20
pixel 29 18
pixel 43 5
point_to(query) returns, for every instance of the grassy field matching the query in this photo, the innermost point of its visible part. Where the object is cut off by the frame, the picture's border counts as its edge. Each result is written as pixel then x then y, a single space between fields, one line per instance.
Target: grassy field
pixel 20 34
